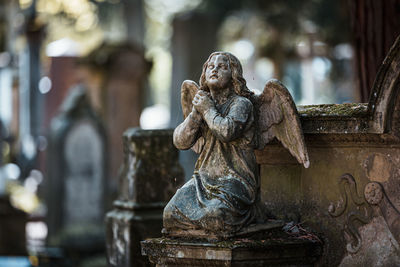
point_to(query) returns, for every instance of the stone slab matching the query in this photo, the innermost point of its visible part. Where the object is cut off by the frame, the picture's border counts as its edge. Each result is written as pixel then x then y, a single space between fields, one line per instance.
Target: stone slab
pixel 273 251
pixel 250 230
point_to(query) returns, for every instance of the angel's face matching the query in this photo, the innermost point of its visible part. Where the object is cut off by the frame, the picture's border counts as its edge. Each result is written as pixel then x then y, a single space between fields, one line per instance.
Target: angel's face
pixel 218 72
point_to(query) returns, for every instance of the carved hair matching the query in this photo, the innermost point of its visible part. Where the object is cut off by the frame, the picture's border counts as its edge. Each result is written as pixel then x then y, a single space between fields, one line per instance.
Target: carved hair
pixel 238 82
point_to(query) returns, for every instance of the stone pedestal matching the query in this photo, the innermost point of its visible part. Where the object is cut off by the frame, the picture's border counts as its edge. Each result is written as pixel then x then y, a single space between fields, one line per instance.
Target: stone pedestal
pixel 279 251
pixel 149 178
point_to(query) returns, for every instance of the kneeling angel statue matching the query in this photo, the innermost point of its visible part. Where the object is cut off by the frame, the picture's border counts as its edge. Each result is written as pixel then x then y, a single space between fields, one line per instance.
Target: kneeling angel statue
pixel 225 122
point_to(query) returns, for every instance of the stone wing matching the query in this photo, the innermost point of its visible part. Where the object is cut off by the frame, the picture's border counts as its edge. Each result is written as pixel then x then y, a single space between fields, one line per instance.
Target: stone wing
pixel 188 91
pixel 278 118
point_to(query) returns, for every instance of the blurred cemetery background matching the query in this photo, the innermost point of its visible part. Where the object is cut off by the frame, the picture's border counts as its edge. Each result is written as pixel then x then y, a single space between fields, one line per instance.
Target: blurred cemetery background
pixel 75 74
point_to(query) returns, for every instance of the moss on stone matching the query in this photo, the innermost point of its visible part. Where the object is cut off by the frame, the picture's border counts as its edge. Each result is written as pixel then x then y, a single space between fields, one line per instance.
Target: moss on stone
pixel 334 110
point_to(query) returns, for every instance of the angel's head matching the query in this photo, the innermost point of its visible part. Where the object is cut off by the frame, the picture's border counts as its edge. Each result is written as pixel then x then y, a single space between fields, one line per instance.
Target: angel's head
pixel 228 74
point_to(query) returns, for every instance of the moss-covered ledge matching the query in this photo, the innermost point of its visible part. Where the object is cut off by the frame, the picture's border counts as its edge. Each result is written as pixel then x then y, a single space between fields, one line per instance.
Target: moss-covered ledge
pixel 334 118
pixel 334 110
pixel 331 125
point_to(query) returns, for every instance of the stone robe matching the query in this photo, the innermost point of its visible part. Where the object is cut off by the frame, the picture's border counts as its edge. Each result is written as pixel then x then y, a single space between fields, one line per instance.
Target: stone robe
pixel 220 197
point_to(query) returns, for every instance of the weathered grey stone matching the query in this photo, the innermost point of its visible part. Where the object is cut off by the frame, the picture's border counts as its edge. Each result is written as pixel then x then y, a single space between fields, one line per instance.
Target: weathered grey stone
pixel 149 177
pixel 379 248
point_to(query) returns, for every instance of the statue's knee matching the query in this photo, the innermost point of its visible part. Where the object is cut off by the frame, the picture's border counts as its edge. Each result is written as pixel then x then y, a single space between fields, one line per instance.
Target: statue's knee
pixel 167 217
pixel 167 211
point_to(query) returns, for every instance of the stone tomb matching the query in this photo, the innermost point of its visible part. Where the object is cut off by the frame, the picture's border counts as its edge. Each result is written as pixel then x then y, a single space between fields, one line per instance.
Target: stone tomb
pixel 77 175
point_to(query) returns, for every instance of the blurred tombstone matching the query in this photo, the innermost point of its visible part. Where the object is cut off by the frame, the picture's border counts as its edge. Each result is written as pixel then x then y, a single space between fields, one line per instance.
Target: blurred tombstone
pixel 150 176
pixel 194 39
pixel 77 165
pixel 116 77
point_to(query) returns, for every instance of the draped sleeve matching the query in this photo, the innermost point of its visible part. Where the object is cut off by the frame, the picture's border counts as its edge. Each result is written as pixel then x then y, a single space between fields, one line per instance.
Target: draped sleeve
pixel 231 126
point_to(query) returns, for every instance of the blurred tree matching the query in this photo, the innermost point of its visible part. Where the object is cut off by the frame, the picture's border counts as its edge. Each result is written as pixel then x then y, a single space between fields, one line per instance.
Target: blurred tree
pixel 376 25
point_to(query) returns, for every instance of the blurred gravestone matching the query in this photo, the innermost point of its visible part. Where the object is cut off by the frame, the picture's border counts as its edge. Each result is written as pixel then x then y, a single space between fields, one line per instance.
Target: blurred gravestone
pixel 77 165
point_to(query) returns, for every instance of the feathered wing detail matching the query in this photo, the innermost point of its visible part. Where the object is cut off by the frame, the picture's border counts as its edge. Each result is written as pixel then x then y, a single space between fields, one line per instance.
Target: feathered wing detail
pixel 278 118
pixel 188 91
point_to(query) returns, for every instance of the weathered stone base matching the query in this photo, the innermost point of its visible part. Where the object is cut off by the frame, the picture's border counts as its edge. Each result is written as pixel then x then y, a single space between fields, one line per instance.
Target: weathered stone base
pixel 282 251
pixel 124 231
pixel 252 229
